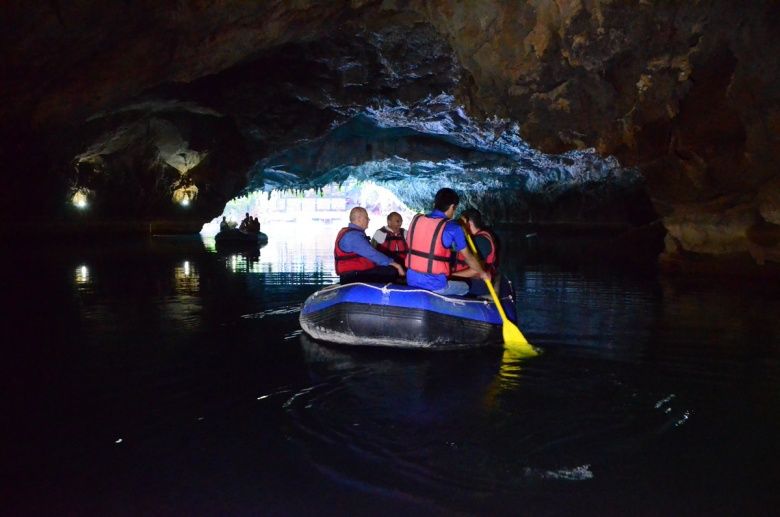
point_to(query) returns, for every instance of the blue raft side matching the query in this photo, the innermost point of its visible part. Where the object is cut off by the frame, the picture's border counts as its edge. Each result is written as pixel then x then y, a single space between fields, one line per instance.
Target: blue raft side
pixel 411 298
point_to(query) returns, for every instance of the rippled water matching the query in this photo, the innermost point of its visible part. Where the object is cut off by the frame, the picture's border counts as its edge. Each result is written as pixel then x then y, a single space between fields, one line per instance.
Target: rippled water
pixel 161 376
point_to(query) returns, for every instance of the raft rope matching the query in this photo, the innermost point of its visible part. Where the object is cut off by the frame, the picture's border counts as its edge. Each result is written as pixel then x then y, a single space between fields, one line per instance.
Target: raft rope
pixel 385 290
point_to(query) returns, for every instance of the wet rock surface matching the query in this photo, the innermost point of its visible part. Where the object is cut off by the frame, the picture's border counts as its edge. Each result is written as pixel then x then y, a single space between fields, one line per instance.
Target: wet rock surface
pixel 686 92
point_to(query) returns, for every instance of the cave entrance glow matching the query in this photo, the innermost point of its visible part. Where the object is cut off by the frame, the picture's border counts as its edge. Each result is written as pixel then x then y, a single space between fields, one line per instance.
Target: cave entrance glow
pixel 302 224
pixel 308 211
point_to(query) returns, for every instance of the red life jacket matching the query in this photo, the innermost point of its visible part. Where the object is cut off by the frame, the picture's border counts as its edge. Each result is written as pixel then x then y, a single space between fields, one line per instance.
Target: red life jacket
pixel 426 252
pixel 394 245
pixel 489 261
pixel 346 262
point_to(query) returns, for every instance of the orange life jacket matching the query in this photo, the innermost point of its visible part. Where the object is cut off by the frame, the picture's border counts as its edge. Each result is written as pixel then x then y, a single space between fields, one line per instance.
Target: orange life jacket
pixel 489 261
pixel 346 262
pixel 426 253
pixel 394 245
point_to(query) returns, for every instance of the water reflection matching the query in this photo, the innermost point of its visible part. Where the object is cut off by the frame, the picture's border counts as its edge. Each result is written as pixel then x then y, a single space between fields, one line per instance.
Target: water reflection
pixel 598 314
pixel 403 385
pixel 477 423
pixel 187 278
pixel 293 255
pixel 639 382
pixel 82 277
pixel 407 420
pixel 82 274
pixel 248 262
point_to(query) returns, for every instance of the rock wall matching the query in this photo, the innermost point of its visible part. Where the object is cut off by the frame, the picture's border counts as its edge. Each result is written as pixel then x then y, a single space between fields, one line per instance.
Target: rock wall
pixel 688 92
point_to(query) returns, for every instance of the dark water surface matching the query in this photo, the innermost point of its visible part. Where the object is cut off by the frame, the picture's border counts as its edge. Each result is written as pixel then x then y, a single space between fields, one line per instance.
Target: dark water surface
pixel 161 377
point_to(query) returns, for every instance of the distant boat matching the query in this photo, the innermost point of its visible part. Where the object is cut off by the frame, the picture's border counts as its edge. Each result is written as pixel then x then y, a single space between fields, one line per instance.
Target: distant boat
pixel 235 236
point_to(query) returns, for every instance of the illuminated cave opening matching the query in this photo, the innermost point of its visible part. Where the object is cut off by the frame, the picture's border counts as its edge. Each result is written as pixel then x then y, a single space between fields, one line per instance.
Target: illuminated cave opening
pixel 313 211
pixel 301 224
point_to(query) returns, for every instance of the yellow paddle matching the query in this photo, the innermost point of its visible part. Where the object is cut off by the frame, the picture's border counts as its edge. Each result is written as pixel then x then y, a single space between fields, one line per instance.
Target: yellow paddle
pixel 513 338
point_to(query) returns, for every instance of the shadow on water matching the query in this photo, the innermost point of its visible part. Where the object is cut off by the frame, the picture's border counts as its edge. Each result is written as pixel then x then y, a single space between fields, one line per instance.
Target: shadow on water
pixel 391 421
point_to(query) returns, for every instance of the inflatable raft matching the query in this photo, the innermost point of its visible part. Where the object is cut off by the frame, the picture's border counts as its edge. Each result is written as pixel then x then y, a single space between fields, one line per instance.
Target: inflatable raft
pixel 239 237
pixel 401 316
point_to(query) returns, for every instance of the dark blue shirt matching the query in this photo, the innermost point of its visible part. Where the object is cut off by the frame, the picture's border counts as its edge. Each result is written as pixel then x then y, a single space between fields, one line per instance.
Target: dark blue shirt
pixel 452 237
pixel 357 242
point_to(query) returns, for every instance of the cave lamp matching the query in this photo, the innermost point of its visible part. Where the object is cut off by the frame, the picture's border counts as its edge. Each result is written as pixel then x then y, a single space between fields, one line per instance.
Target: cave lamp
pixel 80 199
pixel 184 196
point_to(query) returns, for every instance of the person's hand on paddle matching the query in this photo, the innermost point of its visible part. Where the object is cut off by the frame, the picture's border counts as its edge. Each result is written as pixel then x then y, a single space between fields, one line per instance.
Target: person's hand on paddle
pixel 484 275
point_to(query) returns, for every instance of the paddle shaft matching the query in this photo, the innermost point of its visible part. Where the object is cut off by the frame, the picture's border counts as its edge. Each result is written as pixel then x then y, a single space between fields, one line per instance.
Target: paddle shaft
pixel 488 283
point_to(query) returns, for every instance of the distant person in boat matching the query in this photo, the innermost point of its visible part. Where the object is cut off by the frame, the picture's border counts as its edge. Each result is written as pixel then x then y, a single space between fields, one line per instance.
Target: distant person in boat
pixel 356 259
pixel 244 226
pixel 224 225
pixel 487 248
pixel 431 239
pixel 253 225
pixel 391 239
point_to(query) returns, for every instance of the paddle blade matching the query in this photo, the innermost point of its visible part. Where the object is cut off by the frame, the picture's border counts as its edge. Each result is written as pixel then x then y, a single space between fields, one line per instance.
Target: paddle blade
pixel 515 341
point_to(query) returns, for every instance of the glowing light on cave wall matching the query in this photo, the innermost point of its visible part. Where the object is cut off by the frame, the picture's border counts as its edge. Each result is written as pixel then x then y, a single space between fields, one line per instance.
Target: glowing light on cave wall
pixel 313 211
pixel 185 195
pixel 80 199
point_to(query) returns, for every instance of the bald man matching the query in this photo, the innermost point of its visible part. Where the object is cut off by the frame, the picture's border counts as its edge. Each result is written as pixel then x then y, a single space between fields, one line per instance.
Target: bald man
pixel 356 259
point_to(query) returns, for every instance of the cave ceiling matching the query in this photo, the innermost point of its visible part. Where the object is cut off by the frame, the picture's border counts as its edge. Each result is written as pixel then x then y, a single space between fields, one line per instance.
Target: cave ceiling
pixel 148 98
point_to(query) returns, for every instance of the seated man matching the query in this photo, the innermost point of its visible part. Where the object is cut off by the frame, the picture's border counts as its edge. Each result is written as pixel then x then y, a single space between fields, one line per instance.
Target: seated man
pixel 253 226
pixel 224 225
pixel 391 239
pixel 487 249
pixel 431 239
pixel 356 260
pixel 244 226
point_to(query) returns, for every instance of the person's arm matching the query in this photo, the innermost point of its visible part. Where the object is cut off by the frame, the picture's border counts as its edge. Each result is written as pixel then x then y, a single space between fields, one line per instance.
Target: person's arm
pixel 483 248
pixel 355 242
pixel 378 238
pixel 475 268
pixel 458 238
